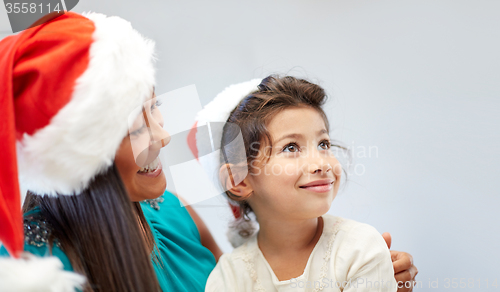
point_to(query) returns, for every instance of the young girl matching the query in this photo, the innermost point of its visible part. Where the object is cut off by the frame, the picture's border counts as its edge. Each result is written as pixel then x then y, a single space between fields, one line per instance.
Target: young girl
pixel 292 180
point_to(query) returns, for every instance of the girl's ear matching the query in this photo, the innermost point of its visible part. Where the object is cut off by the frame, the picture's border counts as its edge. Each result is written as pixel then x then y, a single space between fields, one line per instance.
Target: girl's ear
pixel 233 179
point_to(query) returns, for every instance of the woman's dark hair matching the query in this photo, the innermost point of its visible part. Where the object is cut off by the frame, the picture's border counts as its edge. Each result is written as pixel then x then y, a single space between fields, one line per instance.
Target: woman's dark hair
pixel 253 114
pixel 104 234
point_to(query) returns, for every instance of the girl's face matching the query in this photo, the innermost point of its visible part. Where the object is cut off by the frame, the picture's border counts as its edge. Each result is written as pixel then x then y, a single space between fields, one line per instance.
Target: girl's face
pixel 137 158
pixel 302 176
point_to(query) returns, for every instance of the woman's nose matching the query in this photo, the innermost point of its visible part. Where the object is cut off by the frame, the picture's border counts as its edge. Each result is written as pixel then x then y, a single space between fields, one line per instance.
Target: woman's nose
pixel 159 137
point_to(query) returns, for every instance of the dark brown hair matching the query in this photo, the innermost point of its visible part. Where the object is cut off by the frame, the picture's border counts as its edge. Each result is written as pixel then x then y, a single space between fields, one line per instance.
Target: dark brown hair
pixel 100 232
pixel 255 111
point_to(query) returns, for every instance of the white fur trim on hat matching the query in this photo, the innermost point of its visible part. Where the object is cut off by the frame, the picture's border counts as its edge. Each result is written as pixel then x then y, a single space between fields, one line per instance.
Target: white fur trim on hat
pixel 41 274
pixel 83 137
pixel 223 104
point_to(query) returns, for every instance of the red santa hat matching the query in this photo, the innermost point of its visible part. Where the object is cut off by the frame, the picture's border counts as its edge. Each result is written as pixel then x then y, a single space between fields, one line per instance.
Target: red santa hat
pixel 217 111
pixel 68 88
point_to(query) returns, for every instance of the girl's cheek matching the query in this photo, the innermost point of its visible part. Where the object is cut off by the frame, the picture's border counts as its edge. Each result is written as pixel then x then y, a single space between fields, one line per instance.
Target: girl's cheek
pixel 337 169
pixel 254 168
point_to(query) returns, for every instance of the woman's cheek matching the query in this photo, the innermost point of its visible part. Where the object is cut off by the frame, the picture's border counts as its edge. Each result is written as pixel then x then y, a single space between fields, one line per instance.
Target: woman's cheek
pixel 140 146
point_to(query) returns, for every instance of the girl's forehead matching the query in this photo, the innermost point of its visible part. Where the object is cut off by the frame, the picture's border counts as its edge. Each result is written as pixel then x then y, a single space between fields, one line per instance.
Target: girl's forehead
pixel 296 120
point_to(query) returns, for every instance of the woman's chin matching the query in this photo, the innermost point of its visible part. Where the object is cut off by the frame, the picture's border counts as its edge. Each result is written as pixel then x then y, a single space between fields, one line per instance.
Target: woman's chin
pixel 153 191
pixel 149 187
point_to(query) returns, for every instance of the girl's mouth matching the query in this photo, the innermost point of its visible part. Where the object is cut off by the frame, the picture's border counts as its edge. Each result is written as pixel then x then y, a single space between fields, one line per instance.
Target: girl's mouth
pixel 151 170
pixel 321 186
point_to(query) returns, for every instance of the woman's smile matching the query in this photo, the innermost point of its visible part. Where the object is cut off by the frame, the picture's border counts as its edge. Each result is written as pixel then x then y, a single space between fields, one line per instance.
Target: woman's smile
pixel 151 170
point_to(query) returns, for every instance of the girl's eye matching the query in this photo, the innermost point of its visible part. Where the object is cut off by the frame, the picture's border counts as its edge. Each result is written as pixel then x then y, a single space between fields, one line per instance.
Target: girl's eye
pixel 325 145
pixel 291 147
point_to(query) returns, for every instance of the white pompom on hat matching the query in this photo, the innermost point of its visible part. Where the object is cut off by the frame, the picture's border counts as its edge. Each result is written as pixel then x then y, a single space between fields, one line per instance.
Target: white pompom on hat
pixel 39 274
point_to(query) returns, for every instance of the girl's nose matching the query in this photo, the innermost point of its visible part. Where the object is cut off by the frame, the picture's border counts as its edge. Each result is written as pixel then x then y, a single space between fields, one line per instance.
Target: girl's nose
pixel 317 163
pixel 321 166
pixel 326 167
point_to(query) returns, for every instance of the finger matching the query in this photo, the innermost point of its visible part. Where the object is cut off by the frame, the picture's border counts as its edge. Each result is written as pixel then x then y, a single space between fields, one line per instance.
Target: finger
pixel 404 285
pixel 406 279
pixel 413 272
pixel 401 261
pixel 403 276
pixel 387 238
pixel 394 255
pixel 403 288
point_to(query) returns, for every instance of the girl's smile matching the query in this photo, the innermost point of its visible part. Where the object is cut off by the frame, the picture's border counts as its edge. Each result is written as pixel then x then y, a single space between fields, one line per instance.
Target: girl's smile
pixel 319 186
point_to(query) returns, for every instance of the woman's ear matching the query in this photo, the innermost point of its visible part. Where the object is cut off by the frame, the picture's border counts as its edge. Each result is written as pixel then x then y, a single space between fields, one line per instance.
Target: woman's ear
pixel 234 180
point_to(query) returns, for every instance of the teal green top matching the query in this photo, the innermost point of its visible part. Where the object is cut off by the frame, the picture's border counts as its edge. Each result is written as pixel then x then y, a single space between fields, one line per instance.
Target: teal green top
pixel 186 264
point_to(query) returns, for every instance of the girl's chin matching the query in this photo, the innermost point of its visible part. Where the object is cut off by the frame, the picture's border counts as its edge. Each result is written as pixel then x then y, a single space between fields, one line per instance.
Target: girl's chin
pixel 322 208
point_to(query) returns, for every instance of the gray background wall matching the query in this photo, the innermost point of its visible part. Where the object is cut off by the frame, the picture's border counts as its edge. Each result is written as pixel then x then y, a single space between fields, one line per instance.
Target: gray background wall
pixel 417 81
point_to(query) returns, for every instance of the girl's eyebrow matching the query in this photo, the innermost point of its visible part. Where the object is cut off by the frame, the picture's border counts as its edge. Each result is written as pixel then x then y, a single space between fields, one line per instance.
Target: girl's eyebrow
pixel 322 131
pixel 299 136
pixel 295 136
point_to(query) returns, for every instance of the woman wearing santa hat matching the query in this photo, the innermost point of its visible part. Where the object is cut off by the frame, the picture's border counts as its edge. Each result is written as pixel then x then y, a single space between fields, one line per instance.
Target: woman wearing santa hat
pixel 81 128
